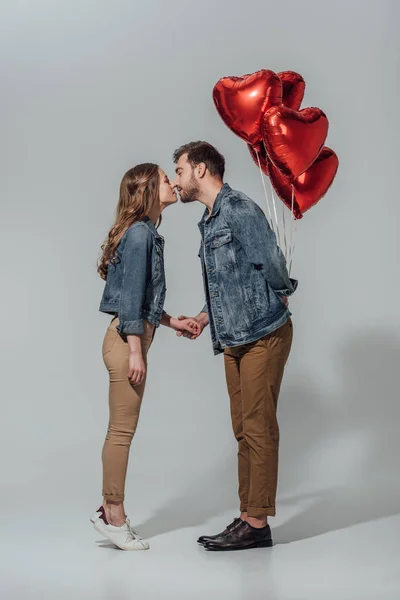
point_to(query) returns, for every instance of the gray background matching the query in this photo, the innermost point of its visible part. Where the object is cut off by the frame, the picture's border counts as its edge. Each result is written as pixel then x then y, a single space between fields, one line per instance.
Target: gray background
pixel 89 89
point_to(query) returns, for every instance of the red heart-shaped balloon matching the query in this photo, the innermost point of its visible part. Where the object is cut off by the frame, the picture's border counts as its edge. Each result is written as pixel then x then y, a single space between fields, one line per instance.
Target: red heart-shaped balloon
pixel 311 186
pixel 293 87
pixel 262 157
pixel 242 101
pixel 293 139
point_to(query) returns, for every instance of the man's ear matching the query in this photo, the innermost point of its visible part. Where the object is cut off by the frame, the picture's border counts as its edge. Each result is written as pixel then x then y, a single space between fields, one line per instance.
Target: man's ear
pixel 201 169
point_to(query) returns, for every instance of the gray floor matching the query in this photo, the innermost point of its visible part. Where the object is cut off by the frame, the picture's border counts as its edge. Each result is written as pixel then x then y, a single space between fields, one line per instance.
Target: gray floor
pixel 59 556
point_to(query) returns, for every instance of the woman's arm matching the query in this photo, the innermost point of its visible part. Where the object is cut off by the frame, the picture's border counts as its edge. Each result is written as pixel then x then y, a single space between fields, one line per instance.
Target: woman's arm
pixel 136 257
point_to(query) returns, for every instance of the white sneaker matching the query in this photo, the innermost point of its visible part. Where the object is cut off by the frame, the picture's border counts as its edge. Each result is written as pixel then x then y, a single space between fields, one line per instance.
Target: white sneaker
pixel 124 537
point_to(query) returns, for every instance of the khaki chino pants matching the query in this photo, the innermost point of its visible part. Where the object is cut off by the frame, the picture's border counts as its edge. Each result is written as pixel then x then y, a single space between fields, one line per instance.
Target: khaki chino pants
pixel 253 374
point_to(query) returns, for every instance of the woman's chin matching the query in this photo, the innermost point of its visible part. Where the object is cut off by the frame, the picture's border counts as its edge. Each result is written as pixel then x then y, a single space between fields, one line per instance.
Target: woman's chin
pixel 169 203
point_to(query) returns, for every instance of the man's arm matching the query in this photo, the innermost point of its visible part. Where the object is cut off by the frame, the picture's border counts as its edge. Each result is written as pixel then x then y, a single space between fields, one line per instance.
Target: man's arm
pixel 250 226
pixel 202 318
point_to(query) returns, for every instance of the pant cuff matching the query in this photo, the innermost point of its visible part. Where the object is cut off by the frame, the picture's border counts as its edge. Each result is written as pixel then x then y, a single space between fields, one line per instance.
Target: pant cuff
pixel 260 512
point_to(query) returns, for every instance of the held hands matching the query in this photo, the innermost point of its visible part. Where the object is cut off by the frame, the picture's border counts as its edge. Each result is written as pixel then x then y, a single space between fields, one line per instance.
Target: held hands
pixel 186 326
pixel 190 335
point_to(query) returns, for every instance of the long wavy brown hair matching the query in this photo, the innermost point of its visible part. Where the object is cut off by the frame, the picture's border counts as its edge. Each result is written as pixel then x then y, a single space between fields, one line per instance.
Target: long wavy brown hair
pixel 138 192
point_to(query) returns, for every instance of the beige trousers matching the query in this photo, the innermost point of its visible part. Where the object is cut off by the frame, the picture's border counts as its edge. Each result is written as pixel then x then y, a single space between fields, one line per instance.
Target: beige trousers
pixel 124 402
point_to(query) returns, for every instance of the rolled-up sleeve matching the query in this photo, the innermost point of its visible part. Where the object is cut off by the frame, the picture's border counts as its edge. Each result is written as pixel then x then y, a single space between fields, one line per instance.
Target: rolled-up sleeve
pixel 250 226
pixel 136 260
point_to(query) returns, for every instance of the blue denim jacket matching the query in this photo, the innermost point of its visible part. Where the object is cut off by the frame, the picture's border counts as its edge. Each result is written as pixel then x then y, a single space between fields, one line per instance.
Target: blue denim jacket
pixel 244 272
pixel 135 288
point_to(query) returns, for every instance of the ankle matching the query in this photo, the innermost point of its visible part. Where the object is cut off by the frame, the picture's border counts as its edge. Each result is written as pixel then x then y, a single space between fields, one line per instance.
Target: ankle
pixel 115 513
pixel 257 523
pixel 116 521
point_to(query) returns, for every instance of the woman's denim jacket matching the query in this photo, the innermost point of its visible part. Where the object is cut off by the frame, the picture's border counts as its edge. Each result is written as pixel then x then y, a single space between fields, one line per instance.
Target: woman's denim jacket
pixel 135 287
pixel 244 272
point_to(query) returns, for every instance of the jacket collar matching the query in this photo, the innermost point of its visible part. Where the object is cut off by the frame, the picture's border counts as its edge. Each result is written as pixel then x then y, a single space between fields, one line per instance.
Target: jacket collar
pixel 217 204
pixel 150 225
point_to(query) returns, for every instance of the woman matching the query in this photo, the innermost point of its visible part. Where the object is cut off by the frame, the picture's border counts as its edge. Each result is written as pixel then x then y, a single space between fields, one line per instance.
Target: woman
pixel 132 265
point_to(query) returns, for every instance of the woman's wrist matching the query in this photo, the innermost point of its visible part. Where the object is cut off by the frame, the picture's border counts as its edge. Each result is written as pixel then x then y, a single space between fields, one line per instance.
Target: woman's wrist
pixel 135 344
pixel 135 351
pixel 166 319
pixel 171 322
pixel 174 323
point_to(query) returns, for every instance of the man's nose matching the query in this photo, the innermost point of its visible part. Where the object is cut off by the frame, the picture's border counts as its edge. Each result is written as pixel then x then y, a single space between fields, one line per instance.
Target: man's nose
pixel 174 183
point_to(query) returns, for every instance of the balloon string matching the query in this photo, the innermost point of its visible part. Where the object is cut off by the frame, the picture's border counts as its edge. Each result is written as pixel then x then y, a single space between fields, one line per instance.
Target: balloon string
pixel 284 230
pixel 291 228
pixel 292 243
pixel 266 193
pixel 276 216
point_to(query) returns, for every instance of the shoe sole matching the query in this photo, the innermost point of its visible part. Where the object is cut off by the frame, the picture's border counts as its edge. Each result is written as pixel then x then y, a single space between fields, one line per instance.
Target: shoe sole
pixel 266 544
pixel 110 539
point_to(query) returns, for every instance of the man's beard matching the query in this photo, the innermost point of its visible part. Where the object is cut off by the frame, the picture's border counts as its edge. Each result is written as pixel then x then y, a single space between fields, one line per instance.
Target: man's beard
pixel 191 193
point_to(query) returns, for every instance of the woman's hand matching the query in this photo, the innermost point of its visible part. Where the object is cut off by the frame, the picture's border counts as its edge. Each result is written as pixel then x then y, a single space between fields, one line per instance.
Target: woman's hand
pixel 187 327
pixel 137 367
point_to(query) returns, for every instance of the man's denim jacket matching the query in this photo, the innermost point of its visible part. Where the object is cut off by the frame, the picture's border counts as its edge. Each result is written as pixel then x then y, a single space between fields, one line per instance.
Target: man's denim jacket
pixel 135 288
pixel 244 272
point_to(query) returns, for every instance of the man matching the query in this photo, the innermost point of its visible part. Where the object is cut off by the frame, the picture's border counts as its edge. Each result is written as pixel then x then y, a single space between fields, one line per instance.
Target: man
pixel 246 286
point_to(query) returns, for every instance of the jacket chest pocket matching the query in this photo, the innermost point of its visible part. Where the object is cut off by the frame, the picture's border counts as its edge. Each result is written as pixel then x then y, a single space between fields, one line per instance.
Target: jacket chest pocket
pixel 223 248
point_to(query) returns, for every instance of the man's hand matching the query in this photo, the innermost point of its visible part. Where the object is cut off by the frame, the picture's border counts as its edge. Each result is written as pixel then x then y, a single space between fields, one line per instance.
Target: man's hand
pixel 201 321
pixel 285 300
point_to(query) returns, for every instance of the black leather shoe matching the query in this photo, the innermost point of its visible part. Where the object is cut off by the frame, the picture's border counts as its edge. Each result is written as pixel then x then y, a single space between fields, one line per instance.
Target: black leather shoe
pixel 242 537
pixel 203 539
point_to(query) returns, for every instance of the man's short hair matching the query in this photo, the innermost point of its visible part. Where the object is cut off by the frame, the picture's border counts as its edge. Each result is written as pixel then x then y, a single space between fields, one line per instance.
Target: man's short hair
pixel 202 152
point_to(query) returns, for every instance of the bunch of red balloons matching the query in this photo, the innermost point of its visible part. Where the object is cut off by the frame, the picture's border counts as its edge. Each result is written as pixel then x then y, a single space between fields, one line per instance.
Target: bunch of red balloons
pixel 286 142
